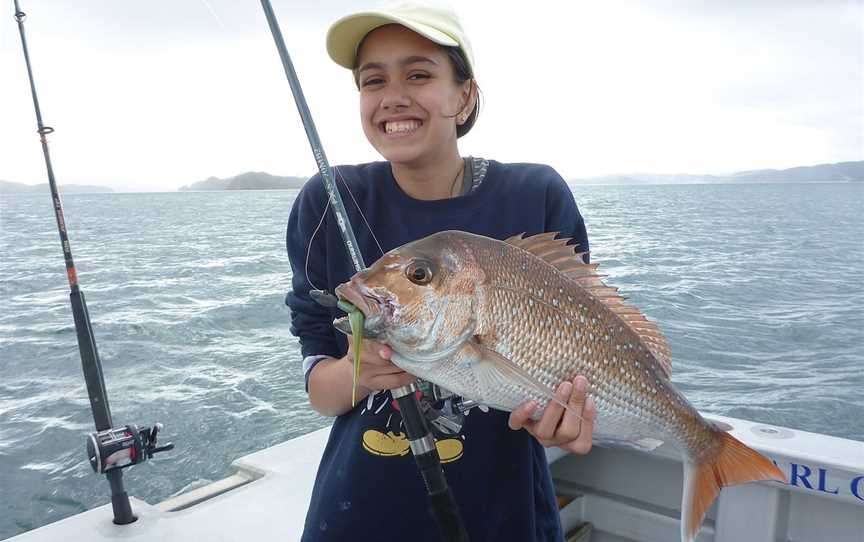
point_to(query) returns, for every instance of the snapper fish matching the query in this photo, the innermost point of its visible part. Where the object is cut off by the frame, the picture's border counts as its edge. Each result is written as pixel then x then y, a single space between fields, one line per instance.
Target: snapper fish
pixel 503 322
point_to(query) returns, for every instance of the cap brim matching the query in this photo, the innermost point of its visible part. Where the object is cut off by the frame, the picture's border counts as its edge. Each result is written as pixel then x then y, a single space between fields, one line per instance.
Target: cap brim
pixel 345 35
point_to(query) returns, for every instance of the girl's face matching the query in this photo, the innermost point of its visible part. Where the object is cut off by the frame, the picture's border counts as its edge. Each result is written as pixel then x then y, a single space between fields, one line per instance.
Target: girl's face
pixel 409 99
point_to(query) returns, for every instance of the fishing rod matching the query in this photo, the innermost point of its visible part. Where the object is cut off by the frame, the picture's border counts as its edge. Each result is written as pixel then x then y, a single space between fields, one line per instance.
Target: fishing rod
pixel 109 449
pixel 442 504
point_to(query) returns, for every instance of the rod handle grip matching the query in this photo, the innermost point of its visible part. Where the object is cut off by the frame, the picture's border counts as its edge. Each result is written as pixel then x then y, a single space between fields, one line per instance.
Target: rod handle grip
pixel 443 508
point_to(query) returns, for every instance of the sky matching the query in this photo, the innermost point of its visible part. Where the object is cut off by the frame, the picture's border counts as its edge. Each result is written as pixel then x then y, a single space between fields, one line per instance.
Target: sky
pixel 150 96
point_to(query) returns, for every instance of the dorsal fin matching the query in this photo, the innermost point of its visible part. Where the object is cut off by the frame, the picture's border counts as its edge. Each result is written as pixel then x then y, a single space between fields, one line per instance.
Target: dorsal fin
pixel 564 258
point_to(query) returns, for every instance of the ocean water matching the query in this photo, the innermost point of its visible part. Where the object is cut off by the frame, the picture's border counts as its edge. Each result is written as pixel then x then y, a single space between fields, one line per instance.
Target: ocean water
pixel 757 287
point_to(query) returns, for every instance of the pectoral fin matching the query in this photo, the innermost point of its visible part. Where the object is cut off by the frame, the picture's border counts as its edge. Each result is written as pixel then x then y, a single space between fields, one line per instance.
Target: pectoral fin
pixel 496 372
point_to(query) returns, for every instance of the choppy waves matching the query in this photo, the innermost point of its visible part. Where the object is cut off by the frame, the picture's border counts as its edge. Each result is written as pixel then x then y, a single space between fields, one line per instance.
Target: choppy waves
pixel 757 288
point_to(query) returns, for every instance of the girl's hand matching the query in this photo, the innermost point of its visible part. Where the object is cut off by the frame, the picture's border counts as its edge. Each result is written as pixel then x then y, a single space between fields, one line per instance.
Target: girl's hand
pixel 377 372
pixel 570 429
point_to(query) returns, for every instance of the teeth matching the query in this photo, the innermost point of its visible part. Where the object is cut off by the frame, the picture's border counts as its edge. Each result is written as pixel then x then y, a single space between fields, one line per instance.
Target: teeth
pixel 393 127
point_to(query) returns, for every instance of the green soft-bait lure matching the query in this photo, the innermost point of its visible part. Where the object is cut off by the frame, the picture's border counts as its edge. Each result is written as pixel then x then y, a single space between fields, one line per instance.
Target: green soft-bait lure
pixel 355 319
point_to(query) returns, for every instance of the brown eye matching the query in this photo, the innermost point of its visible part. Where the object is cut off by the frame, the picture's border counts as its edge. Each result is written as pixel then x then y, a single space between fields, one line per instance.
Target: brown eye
pixel 419 272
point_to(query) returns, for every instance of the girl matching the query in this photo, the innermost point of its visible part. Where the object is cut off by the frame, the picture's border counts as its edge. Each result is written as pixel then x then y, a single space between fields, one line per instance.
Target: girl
pixel 413 68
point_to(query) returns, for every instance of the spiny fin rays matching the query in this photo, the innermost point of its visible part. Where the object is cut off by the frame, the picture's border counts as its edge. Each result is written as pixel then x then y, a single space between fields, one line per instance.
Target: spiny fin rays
pixel 565 259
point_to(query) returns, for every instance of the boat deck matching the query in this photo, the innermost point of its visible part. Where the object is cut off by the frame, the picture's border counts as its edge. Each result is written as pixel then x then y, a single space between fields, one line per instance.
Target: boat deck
pixel 626 496
pixel 265 499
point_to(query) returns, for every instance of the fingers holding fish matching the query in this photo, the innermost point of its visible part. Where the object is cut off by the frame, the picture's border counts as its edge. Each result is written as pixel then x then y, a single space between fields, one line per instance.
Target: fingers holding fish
pixel 582 443
pixel 377 372
pixel 372 351
pixel 571 422
pixel 570 428
pixel 547 428
pixel 389 381
pixel 521 416
pixel 574 427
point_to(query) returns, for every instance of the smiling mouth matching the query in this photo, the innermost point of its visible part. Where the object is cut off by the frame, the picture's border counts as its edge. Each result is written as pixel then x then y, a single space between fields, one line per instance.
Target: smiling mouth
pixel 401 127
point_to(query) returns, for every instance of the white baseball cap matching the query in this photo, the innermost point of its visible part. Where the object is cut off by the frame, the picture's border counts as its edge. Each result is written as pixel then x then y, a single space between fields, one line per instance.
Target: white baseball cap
pixel 435 22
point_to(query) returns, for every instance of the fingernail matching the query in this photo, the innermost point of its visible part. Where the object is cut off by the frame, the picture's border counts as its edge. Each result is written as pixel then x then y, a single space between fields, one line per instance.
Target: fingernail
pixel 382 353
pixel 565 389
pixel 581 385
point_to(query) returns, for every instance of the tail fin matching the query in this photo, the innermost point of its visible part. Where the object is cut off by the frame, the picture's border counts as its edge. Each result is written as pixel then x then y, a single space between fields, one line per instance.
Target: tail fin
pixel 734 464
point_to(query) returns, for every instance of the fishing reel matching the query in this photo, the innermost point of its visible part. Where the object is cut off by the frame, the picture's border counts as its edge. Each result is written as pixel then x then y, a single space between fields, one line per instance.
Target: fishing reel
pixel 122 447
pixel 444 410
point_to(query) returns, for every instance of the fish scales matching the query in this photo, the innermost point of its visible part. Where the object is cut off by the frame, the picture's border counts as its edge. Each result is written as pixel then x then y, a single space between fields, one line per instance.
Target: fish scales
pixel 557 330
pixel 503 322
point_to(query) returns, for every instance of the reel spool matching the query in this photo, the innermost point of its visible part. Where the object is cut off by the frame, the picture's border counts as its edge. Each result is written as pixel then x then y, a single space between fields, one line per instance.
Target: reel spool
pixel 122 447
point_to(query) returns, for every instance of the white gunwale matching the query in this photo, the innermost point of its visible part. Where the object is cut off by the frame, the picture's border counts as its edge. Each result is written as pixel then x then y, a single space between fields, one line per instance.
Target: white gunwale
pixel 627 495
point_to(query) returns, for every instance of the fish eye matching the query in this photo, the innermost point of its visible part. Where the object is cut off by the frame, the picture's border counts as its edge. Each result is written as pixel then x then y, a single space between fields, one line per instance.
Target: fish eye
pixel 419 272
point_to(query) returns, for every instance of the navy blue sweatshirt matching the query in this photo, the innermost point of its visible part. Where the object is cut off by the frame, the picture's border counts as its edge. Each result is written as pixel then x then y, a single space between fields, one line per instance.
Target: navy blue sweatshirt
pixel 368 487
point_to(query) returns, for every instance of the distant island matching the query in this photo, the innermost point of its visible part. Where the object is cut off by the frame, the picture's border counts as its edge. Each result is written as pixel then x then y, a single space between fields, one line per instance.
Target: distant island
pixel 822 173
pixel 8 187
pixel 253 180
pixel 258 180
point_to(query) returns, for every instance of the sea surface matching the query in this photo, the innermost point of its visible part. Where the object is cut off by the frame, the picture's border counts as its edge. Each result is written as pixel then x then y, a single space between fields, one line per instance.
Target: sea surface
pixel 757 287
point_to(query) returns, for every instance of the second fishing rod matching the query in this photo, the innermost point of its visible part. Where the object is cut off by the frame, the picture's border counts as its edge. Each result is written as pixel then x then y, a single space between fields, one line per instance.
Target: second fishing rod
pixel 111 448
pixel 442 505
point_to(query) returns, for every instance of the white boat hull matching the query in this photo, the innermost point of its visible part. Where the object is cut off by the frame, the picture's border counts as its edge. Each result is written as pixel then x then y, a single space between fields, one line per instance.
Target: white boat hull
pixel 626 495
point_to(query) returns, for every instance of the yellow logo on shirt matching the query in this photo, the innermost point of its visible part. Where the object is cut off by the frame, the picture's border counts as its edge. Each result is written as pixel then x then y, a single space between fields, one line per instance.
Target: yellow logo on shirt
pixel 392 444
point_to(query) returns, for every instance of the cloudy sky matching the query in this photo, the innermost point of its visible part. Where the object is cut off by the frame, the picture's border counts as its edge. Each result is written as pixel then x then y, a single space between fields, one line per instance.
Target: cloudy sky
pixel 152 95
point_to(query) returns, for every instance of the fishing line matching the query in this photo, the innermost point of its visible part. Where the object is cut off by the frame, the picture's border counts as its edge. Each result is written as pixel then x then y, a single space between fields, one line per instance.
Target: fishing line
pixel 213 13
pixel 309 246
pixel 329 199
pixel 339 176
pixel 321 221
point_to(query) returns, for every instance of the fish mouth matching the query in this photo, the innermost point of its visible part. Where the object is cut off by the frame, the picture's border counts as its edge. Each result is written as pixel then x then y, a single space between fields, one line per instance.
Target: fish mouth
pixel 378 309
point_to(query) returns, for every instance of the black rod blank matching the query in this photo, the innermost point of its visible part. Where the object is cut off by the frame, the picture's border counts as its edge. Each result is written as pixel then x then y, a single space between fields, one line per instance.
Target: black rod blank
pixel 317 149
pixel 90 362
pixel 442 504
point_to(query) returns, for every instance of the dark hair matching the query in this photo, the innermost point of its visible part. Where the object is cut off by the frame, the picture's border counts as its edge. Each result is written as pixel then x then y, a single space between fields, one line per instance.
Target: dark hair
pixel 461 72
